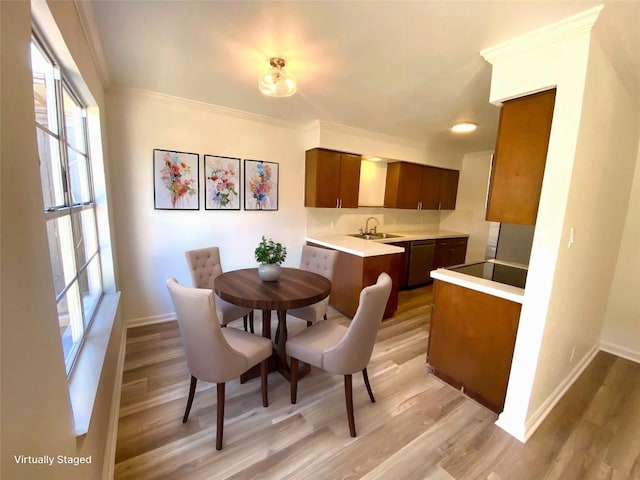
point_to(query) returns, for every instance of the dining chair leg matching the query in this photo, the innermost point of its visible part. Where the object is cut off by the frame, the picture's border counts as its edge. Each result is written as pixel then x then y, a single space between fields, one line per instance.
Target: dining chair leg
pixel 294 380
pixel 245 324
pixel 264 370
pixel 251 322
pixel 220 419
pixel 368 385
pixel 192 392
pixel 348 394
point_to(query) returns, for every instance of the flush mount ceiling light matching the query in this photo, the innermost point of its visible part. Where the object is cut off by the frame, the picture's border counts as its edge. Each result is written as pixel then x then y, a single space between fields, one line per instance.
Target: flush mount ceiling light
pixel 277 82
pixel 464 127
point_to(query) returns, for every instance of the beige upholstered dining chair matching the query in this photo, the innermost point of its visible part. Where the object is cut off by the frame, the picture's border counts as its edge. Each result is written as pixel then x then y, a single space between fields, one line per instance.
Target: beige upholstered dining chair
pixel 343 350
pixel 215 354
pixel 321 261
pixel 204 266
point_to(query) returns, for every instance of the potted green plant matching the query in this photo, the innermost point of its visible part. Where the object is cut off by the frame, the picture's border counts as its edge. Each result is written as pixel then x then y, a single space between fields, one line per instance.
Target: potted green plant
pixel 270 255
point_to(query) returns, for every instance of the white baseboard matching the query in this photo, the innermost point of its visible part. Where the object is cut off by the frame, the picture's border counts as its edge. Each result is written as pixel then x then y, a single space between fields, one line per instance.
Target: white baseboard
pixel 619 351
pixel 139 322
pixel 523 432
pixel 108 468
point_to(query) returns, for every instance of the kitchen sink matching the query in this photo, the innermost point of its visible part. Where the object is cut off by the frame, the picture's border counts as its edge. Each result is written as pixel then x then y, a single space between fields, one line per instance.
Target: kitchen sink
pixel 374 236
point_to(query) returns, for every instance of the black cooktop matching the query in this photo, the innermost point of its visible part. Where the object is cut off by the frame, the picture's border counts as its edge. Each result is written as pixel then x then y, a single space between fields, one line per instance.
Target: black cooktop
pixel 497 272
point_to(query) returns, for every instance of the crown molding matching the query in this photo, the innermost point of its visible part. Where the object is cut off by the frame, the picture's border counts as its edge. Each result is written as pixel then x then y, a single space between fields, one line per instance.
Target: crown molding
pixel 89 27
pixel 574 26
pixel 209 107
pixel 338 127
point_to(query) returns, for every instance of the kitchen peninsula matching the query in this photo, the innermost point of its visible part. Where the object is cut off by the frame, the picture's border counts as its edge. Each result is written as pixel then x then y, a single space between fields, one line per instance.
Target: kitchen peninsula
pixel 474 321
pixel 360 261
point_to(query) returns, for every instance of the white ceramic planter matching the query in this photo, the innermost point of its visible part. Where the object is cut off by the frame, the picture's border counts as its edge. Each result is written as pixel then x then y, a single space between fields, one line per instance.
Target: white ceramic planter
pixel 269 272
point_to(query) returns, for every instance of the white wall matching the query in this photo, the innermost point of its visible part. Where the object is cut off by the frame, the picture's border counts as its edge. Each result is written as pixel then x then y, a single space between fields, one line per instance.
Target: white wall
pixel 621 329
pixel 596 209
pixel 36 411
pixel 469 215
pixel 152 243
pixel 586 186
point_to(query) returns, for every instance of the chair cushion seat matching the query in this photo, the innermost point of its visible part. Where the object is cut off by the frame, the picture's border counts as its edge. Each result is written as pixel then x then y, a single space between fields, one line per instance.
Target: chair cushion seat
pixel 228 312
pixel 253 347
pixel 310 344
pixel 310 313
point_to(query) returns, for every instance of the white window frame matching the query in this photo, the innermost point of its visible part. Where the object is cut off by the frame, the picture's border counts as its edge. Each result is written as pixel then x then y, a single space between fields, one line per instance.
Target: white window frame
pixel 75 267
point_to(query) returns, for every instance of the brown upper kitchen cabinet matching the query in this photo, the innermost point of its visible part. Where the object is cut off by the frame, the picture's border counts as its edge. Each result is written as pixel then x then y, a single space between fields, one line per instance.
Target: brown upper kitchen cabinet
pixel 332 179
pixel 520 157
pixel 414 186
pixel 448 189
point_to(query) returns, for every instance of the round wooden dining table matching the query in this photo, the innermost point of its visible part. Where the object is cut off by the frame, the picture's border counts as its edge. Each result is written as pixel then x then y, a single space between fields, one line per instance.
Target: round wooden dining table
pixel 294 289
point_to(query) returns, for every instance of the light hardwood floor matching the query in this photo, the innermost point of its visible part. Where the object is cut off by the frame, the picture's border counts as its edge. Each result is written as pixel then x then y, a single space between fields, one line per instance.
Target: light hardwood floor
pixel 419 427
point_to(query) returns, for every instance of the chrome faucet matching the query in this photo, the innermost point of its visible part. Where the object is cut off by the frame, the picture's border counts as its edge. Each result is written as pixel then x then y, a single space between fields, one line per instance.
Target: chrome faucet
pixel 366 225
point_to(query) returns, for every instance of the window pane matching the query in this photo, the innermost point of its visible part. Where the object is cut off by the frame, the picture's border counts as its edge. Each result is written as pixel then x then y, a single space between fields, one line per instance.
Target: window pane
pixel 50 169
pixel 44 89
pixel 89 231
pixel 91 288
pixel 73 122
pixel 79 176
pixel 61 252
pixel 84 235
pixel 56 256
pixel 71 324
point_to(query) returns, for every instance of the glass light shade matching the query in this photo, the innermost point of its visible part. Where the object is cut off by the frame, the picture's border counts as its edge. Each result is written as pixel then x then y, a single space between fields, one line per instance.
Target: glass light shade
pixel 464 127
pixel 276 82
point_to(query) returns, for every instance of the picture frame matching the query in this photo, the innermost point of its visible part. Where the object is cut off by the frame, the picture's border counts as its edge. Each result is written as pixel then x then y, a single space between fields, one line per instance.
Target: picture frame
pixel 260 185
pixel 222 183
pixel 176 180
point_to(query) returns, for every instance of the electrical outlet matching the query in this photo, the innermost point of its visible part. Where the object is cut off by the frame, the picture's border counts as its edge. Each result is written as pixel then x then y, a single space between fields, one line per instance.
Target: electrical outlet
pixel 573 355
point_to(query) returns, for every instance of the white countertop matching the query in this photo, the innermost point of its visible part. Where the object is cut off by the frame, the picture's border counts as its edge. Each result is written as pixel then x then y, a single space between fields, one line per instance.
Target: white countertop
pixel 490 287
pixel 371 248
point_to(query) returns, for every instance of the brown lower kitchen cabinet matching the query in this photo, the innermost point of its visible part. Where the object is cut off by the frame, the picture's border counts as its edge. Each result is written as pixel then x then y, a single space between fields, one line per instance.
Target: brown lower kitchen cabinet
pixel 471 340
pixel 404 263
pixel 450 251
pixel 352 273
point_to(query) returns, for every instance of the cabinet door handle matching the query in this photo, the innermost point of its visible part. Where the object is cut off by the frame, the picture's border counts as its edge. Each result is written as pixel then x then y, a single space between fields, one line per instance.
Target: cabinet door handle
pixel 340 203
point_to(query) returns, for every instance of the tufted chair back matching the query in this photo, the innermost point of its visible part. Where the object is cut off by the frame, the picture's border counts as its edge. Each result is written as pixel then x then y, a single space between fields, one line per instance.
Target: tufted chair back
pixel 321 261
pixel 204 266
pixel 318 260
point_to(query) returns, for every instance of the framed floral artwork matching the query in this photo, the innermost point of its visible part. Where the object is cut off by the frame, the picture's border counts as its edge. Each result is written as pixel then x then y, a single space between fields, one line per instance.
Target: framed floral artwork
pixel 222 183
pixel 260 185
pixel 176 181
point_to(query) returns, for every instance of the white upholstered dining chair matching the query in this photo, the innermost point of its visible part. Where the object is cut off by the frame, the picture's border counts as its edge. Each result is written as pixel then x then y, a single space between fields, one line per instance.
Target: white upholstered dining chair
pixel 215 354
pixel 204 266
pixel 321 261
pixel 343 350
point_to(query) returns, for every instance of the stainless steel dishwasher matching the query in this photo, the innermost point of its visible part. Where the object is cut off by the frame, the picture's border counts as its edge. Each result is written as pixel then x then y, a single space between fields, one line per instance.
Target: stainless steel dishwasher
pixel 420 262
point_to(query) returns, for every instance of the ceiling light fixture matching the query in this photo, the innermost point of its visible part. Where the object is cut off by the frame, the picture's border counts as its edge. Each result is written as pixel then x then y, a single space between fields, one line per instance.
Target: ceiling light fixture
pixel 277 82
pixel 464 127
